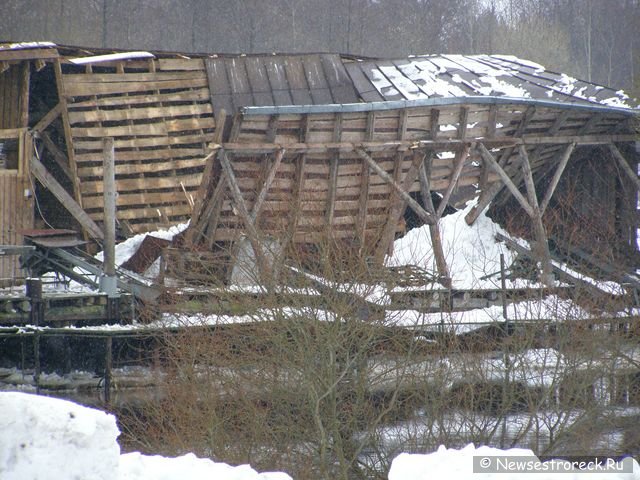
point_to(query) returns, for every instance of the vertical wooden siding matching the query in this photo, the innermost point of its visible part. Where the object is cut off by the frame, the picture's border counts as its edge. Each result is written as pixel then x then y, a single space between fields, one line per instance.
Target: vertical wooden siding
pixel 16 208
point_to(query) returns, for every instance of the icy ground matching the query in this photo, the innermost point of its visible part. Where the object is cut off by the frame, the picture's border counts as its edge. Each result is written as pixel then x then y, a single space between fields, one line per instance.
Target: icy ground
pixel 46 438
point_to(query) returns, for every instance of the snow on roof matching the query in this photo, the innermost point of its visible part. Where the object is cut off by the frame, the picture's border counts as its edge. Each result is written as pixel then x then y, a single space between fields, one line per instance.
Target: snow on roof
pixel 26 45
pixel 429 76
pixel 111 57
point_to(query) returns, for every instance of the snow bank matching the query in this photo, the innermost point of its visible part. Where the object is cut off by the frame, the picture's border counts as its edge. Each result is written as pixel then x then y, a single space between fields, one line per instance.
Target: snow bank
pixel 43 438
pixel 472 252
pixel 454 464
pixel 48 438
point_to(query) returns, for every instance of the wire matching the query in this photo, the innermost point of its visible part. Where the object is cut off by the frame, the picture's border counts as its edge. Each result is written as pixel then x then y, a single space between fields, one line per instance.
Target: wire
pixel 33 189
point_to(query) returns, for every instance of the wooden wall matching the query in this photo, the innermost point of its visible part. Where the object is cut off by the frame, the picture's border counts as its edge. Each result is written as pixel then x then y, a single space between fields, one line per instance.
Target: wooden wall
pixel 161 119
pixel 16 201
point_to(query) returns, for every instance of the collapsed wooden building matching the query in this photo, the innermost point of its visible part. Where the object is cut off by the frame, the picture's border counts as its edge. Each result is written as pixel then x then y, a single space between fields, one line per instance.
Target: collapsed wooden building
pixel 313 155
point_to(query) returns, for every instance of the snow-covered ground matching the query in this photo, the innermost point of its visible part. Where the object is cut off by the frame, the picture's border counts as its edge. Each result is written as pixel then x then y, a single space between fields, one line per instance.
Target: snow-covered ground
pixel 46 438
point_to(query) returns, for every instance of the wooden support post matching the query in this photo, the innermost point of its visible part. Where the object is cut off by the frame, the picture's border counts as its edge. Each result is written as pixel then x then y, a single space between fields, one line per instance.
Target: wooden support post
pixel 36 318
pixel 486 155
pixel 398 207
pixel 252 233
pixel 109 195
pixel 51 184
pixel 633 176
pixel 415 206
pixel 365 179
pixel 487 195
pixel 333 174
pixel 204 186
pixel 59 157
pixel 541 234
pixel 564 160
pixel 455 176
pixel 262 195
pixel 434 230
pixel 108 364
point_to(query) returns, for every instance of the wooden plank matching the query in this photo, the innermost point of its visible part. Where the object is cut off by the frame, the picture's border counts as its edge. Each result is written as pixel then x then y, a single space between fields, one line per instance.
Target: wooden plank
pixel 314 72
pixel 336 76
pixel 74 79
pixel 147 155
pixel 127 199
pixel 28 54
pixel 364 87
pixel 297 81
pixel 149 183
pixel 169 64
pixel 89 89
pixel 147 167
pixel 148 129
pixel 278 80
pixel 262 195
pixel 157 141
pixel 196 95
pixel 68 136
pixel 259 81
pixel 139 113
pixel 50 183
pixel 238 82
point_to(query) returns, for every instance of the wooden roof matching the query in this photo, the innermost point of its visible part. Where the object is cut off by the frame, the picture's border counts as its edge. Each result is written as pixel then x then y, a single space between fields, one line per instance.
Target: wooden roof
pixel 278 80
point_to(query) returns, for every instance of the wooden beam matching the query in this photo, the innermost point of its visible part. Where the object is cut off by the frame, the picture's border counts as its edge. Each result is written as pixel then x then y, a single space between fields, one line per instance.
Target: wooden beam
pixel 59 157
pixel 625 165
pixel 462 122
pixel 46 179
pixel 487 195
pixel 24 95
pixel 398 207
pixel 492 121
pixel 207 175
pixel 252 232
pixel 461 158
pixel 542 243
pixel 486 155
pixel 333 173
pixel 62 96
pixel 437 145
pixel 365 179
pixel 564 160
pixel 415 206
pixel 262 195
pixel 434 230
pixel 48 118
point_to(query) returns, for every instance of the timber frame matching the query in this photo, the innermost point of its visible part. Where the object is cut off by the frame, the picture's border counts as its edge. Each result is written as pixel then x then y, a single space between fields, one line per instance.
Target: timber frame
pixel 317 152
